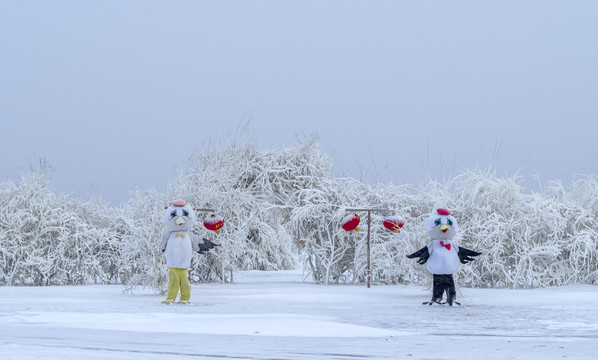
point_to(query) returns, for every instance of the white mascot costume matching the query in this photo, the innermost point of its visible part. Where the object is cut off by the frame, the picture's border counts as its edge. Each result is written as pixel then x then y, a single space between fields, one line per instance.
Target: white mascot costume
pixel 442 257
pixel 179 244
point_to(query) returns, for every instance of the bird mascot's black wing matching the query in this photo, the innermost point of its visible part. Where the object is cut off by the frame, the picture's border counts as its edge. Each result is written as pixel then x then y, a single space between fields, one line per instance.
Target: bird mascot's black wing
pixel 207 245
pixel 422 254
pixel 466 255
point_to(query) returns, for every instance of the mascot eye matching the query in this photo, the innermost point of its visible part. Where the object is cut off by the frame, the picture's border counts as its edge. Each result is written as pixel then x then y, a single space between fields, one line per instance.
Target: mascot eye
pixel 437 222
pixel 173 214
pixel 186 213
pixel 450 222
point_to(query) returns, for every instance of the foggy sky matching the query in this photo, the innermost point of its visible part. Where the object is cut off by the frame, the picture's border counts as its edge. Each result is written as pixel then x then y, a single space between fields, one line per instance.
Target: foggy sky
pixel 117 95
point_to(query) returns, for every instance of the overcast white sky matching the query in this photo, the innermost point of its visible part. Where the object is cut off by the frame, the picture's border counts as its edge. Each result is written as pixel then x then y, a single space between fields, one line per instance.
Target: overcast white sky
pixel 117 95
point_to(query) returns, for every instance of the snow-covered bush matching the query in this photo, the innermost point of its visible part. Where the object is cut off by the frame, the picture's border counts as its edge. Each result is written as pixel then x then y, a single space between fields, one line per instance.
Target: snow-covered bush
pixel 316 213
pixel 142 262
pixel 540 239
pixel 527 240
pixel 48 239
pixel 245 184
pixel 285 204
pixel 335 255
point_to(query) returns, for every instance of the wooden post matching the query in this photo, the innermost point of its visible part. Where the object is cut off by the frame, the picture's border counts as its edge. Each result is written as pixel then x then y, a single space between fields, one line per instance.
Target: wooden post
pixel 369 268
pixel 223 267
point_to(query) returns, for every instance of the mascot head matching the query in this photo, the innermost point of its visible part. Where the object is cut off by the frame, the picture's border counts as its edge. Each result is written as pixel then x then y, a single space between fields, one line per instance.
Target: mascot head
pixel 441 225
pixel 179 216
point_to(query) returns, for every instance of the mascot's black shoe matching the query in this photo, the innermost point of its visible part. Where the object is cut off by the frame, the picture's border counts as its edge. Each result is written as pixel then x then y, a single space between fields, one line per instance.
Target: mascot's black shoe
pixel 433 301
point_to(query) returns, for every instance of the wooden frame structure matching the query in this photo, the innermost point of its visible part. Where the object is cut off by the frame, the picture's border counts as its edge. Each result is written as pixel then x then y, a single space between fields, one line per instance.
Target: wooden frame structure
pixel 369 211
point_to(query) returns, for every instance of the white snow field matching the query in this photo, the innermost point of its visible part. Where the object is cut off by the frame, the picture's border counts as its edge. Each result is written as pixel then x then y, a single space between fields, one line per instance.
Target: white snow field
pixel 275 315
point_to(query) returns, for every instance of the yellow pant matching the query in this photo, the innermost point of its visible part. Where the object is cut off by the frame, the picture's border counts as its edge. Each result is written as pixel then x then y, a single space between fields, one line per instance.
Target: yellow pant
pixel 178 278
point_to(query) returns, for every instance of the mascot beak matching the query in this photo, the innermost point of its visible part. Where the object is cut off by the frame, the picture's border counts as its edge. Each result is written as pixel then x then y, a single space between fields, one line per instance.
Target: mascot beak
pixel 180 221
pixel 444 228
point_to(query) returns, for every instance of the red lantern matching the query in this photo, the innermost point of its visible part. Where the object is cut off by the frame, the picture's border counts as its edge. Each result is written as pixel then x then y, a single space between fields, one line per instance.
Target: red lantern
pixel 394 223
pixel 214 222
pixel 350 222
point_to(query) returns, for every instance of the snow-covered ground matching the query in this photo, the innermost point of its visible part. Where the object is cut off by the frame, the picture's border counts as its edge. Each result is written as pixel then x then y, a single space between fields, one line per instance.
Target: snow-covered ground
pixel 275 315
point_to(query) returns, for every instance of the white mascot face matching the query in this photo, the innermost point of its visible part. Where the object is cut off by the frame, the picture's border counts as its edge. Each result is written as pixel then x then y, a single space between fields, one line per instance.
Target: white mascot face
pixel 442 225
pixel 179 216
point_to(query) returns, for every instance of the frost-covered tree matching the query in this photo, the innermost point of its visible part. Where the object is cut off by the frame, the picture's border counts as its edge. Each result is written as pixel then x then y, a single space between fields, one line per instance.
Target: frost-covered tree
pixel 539 239
pixel 283 204
pixel 334 255
pixel 248 186
pixel 48 239
pixel 142 262
pixel 528 240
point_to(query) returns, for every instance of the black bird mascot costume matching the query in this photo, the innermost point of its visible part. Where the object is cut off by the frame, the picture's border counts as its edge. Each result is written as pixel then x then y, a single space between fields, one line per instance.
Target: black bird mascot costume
pixel 442 257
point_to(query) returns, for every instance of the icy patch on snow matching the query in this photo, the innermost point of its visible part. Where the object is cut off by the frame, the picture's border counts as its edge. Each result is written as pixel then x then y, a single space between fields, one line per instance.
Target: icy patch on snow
pixel 226 324
pixel 275 315
pixel 570 325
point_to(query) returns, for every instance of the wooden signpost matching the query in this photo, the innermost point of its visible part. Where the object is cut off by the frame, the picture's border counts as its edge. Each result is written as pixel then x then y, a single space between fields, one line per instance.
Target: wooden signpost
pixel 369 211
pixel 224 268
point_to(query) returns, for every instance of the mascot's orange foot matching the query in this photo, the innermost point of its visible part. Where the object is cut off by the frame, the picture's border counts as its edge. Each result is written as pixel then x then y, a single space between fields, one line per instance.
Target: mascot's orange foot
pixel 168 301
pixel 184 302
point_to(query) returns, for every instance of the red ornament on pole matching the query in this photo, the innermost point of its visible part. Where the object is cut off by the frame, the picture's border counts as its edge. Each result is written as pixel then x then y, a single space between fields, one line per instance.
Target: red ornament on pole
pixel 394 223
pixel 214 222
pixel 350 222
